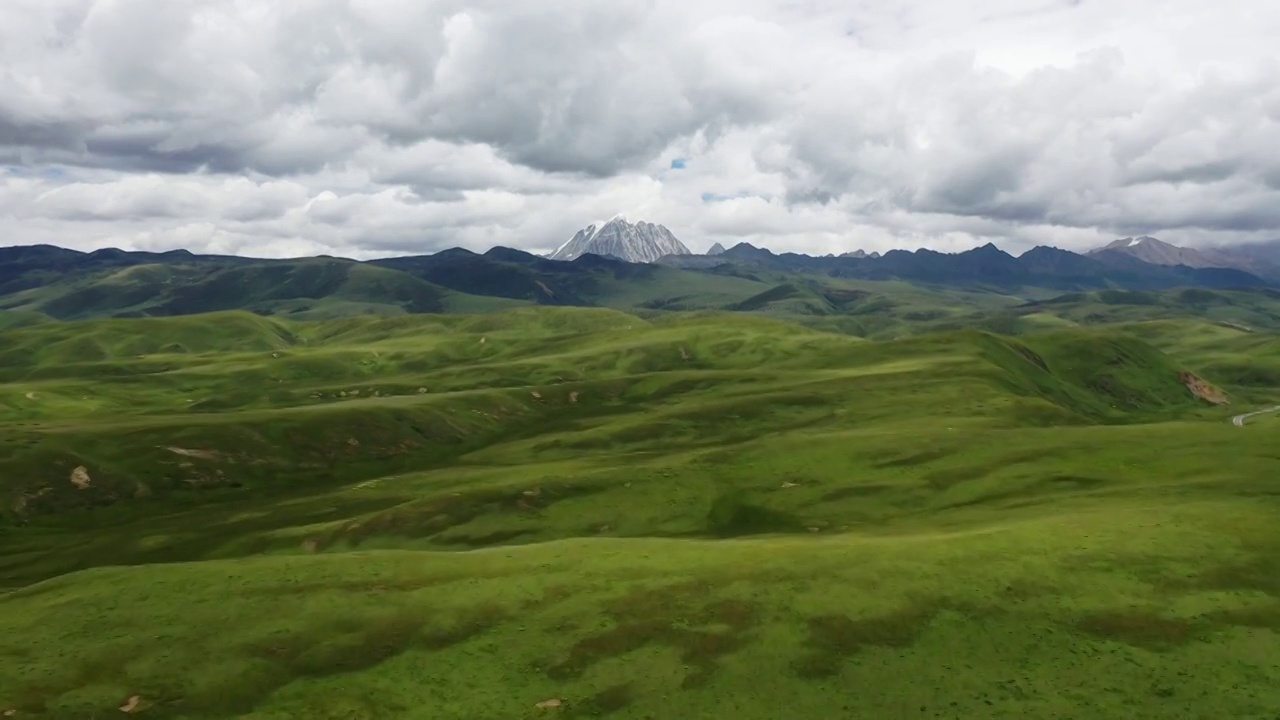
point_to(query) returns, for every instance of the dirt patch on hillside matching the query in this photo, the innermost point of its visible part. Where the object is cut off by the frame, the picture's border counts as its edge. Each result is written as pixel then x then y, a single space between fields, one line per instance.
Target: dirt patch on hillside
pixel 1202 389
pixel 1030 356
pixel 33 396
pixel 188 452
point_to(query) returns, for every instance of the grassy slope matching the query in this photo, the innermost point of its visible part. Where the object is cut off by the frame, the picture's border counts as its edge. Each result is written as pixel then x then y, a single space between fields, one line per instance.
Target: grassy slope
pixel 1252 309
pixel 311 288
pixel 706 515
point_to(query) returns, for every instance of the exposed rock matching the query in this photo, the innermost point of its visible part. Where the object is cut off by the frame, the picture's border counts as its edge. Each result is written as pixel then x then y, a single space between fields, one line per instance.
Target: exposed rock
pixel 573 397
pixel 80 477
pixel 641 242
pixel 551 704
pixel 1202 389
pixel 1157 252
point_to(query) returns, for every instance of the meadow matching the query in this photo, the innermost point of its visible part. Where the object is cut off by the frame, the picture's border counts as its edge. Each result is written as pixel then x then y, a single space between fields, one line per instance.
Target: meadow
pixel 588 512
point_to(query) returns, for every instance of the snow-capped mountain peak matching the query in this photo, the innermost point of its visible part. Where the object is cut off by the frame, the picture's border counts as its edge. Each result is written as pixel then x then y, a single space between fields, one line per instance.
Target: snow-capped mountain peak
pixel 639 242
pixel 1158 252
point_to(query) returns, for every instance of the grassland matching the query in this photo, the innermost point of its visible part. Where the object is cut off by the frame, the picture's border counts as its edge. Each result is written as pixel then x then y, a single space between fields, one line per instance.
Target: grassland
pixel 676 515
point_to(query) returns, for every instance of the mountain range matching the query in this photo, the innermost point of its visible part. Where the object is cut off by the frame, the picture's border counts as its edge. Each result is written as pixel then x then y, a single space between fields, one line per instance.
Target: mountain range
pixel 1041 266
pixel 46 281
pixel 644 242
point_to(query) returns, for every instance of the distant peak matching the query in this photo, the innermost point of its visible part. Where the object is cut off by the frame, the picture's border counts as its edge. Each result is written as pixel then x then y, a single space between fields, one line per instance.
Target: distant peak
pixel 988 249
pixel 1123 243
pixel 642 242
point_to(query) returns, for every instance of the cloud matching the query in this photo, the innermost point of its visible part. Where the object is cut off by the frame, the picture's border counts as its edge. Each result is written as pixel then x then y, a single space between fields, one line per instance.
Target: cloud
pixel 367 127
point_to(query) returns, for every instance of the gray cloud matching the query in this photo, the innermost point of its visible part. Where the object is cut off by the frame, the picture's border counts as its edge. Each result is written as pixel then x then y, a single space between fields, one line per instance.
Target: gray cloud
pixel 362 127
pixel 583 87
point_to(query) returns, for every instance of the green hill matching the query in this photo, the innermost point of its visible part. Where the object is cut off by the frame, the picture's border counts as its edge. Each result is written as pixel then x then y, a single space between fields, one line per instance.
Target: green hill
pixel 1099 375
pixel 706 513
pixel 316 288
pixel 940 292
pixel 1254 308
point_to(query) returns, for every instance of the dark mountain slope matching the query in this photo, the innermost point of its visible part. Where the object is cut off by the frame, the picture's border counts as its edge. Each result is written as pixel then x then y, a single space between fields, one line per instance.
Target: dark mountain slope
pixel 66 284
pixel 149 284
pixel 1043 267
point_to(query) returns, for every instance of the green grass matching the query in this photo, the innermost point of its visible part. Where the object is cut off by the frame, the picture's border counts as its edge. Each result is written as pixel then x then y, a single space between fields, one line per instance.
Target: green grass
pixel 1257 309
pixel 696 515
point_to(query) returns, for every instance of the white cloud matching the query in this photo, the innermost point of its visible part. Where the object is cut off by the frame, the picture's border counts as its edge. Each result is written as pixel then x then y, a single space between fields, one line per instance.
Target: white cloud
pixel 369 127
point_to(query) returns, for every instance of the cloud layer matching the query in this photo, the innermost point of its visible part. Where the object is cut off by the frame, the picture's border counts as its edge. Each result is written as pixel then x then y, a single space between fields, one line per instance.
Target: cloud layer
pixel 375 127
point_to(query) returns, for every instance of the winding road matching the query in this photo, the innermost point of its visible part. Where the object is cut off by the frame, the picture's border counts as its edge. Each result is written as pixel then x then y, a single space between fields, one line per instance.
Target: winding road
pixel 1238 420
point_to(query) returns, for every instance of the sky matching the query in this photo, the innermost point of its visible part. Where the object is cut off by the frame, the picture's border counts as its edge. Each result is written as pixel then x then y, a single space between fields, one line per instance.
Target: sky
pixel 369 128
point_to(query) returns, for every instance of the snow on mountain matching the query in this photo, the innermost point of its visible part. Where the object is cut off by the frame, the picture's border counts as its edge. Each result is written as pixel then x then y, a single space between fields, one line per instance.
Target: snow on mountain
pixel 639 242
pixel 1157 252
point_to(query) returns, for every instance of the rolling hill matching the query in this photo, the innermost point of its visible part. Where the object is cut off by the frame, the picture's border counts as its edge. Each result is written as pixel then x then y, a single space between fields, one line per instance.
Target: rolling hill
pixel 591 512
pixel 65 284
